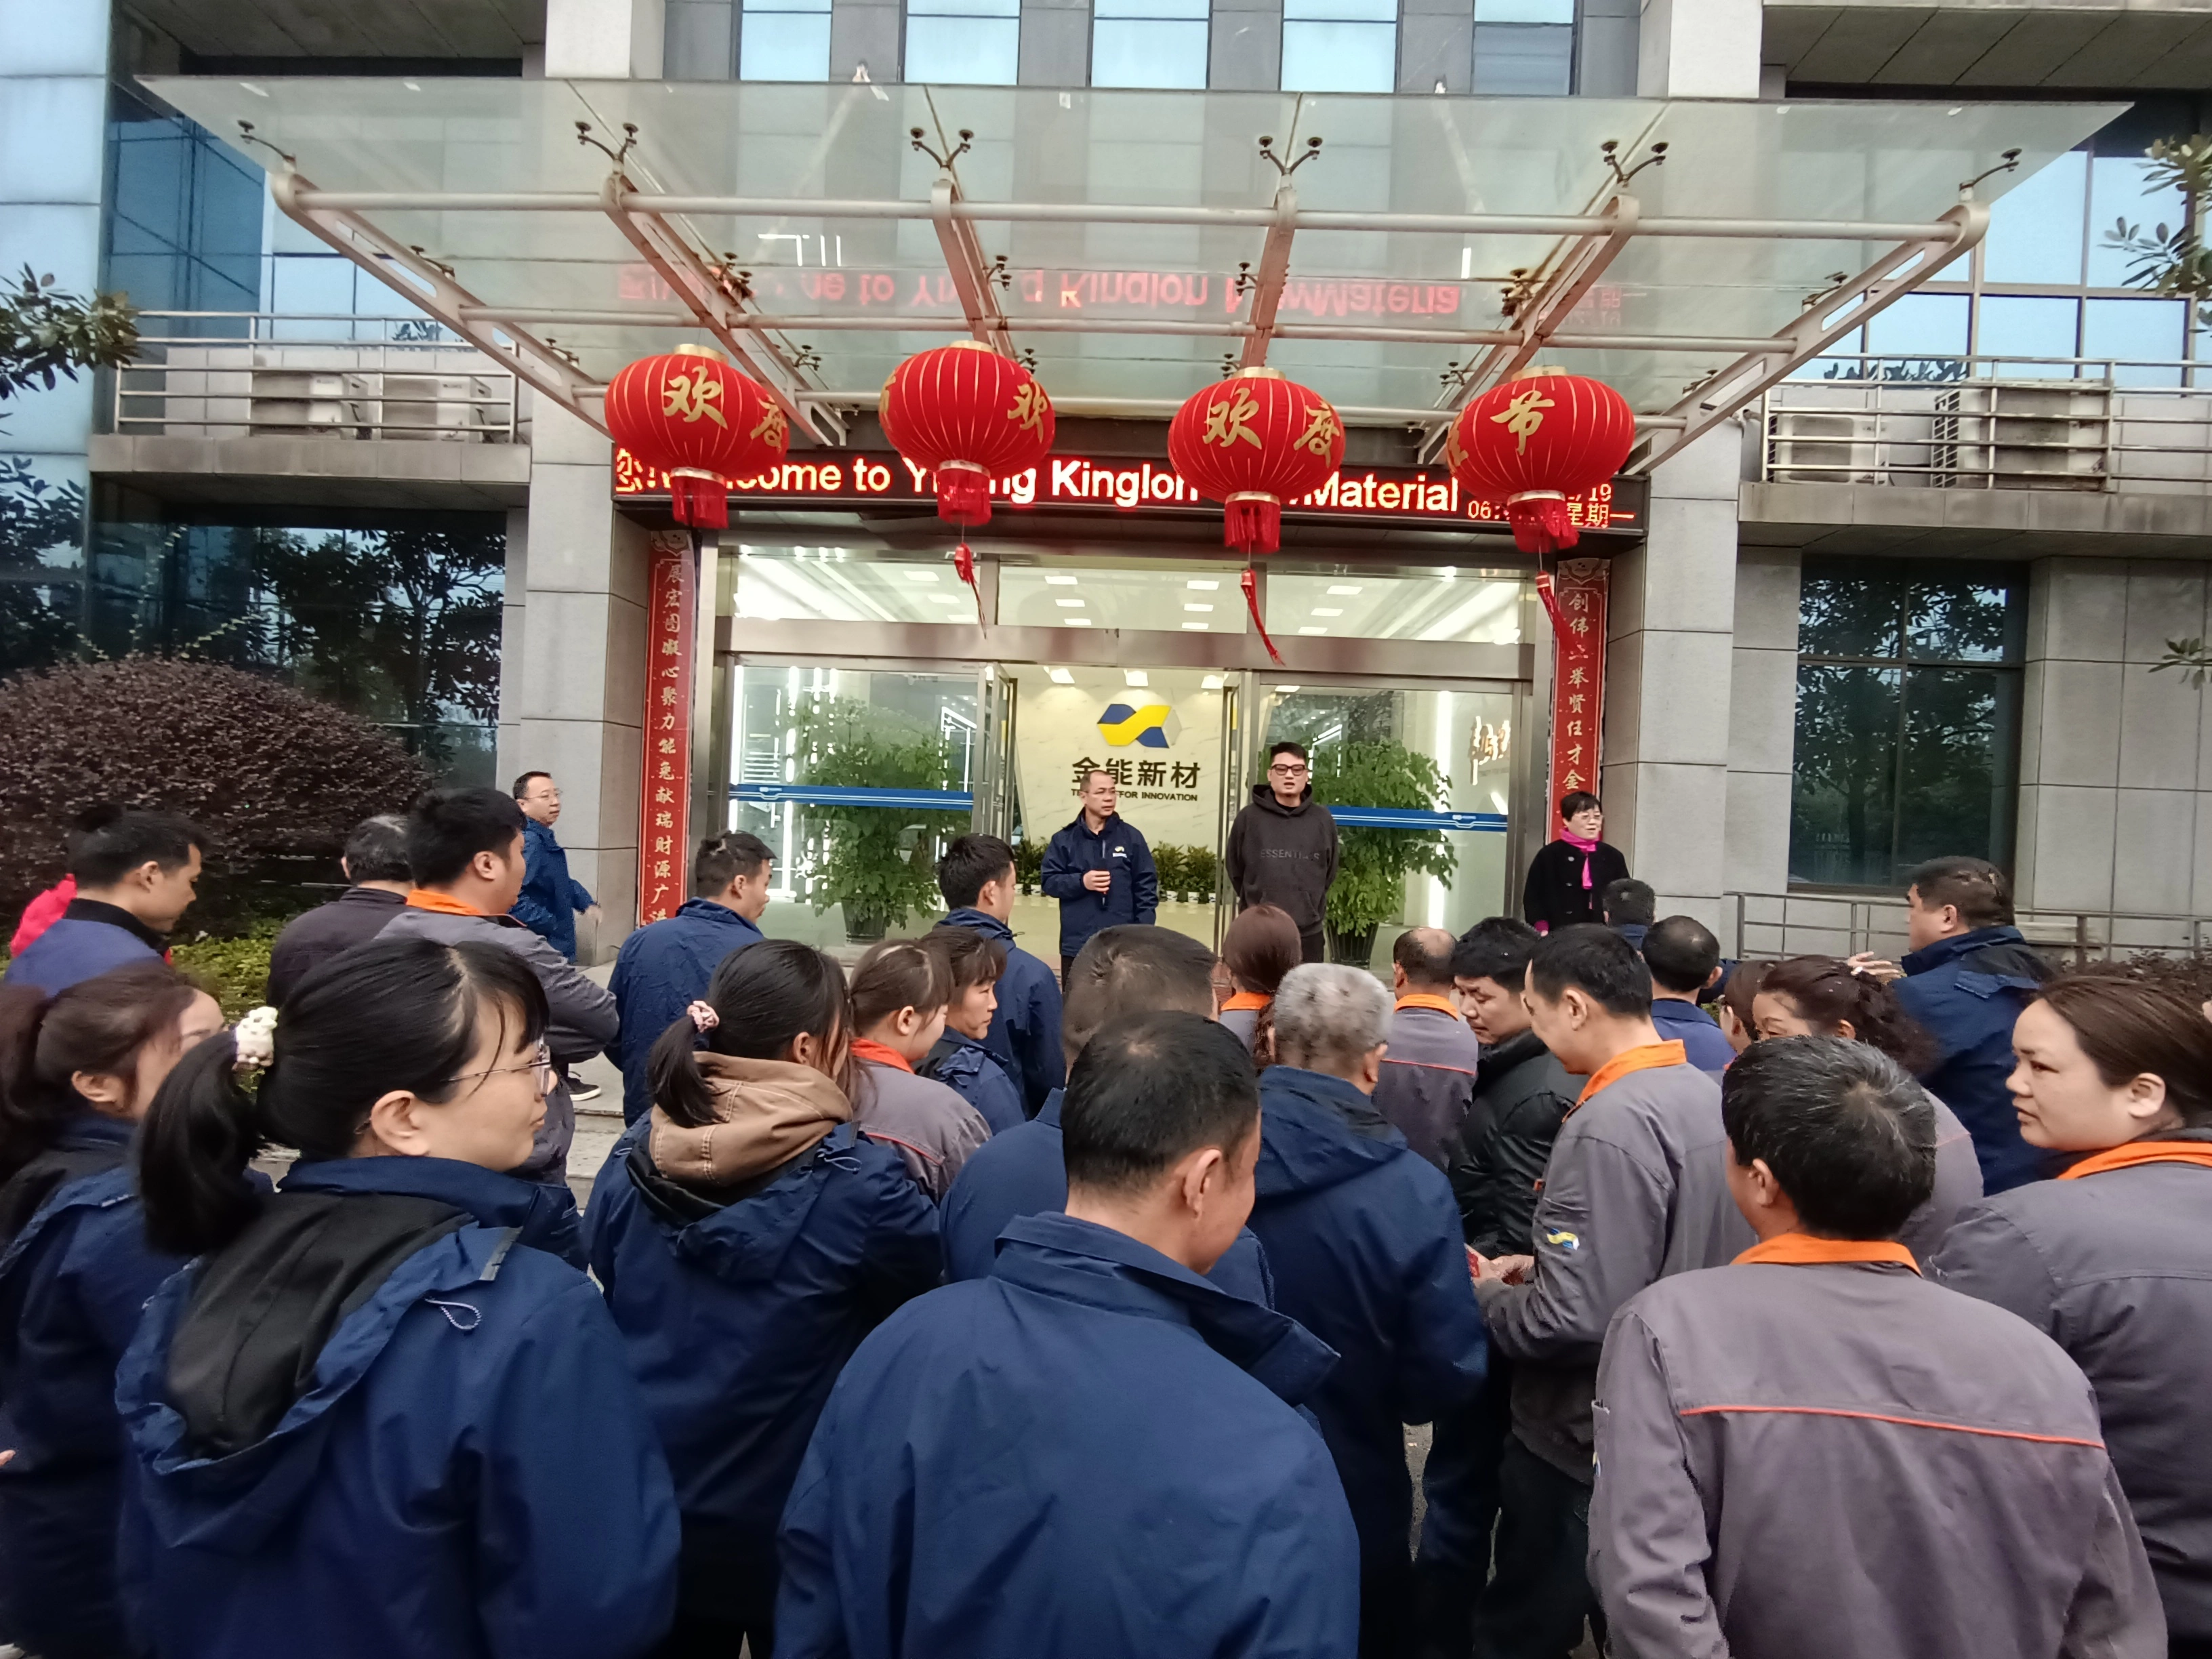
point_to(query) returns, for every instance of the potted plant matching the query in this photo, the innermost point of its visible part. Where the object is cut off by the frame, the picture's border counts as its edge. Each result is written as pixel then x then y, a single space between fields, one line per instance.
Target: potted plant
pixel 878 862
pixel 1373 864
pixel 1202 870
pixel 1168 862
pixel 1029 865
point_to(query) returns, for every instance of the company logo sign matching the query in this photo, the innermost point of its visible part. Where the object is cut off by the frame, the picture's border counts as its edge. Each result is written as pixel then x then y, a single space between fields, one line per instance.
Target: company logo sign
pixel 1146 727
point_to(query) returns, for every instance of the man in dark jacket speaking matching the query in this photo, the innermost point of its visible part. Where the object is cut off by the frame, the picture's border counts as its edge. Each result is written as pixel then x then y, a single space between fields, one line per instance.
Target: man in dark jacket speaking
pixel 1282 848
pixel 1100 870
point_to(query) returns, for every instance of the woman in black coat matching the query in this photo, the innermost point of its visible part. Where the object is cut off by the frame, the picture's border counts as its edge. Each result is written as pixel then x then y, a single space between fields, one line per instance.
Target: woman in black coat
pixel 1567 876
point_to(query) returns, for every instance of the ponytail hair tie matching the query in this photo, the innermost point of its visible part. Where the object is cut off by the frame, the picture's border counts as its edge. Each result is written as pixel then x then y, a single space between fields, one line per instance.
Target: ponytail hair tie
pixel 703 1017
pixel 255 1038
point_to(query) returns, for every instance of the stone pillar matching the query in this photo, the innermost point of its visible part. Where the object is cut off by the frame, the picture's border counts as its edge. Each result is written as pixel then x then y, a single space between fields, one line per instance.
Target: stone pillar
pixel 1698 48
pixel 1762 721
pixel 604 40
pixel 1669 638
pixel 508 760
pixel 581 687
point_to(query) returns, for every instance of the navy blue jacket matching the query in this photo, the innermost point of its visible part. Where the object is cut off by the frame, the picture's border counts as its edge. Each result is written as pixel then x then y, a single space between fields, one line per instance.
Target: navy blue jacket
pixel 1089 1455
pixel 973 1071
pixel 737 1321
pixel 551 897
pixel 1703 1044
pixel 72 1284
pixel 1362 1238
pixel 1025 1031
pixel 472 1472
pixel 1968 990
pixel 1117 848
pixel 1024 1171
pixel 661 970
pixel 78 948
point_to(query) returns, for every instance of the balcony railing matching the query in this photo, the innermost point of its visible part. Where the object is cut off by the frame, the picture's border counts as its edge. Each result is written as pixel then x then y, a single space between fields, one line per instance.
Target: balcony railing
pixel 238 374
pixel 1811 923
pixel 2084 424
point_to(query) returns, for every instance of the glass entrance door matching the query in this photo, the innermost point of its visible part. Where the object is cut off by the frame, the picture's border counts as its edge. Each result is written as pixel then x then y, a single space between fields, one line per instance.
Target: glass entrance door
pixel 1419 782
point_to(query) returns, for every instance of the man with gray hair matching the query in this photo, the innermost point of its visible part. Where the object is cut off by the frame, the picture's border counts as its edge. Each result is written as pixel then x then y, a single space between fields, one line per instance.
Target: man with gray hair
pixel 1362 1238
pixel 375 862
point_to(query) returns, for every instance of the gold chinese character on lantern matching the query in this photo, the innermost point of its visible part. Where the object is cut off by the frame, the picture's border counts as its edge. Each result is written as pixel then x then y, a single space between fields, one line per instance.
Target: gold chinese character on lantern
pixel 1230 421
pixel 1029 407
pixel 1322 429
pixel 773 428
pixel 1523 416
pixel 694 395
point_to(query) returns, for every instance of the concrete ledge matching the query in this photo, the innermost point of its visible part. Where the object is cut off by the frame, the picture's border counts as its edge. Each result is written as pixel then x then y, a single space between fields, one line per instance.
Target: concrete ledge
pixel 2007 524
pixel 318 471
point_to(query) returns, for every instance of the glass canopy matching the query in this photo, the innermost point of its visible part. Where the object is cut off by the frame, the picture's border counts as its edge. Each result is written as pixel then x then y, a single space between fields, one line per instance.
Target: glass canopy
pixel 1119 310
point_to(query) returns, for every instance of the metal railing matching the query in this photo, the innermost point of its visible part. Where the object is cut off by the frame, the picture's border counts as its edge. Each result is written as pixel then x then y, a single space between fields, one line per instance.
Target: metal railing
pixel 1986 422
pixel 1795 924
pixel 237 375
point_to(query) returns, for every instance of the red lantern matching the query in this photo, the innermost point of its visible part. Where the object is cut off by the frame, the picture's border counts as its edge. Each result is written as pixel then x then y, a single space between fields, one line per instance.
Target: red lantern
pixel 1252 443
pixel 691 415
pixel 1537 439
pixel 970 416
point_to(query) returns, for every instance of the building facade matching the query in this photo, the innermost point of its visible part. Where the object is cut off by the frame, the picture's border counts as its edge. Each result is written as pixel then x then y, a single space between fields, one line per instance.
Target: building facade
pixel 1911 600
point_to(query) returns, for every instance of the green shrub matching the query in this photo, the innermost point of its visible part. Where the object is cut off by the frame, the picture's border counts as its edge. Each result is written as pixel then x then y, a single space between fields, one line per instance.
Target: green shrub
pixel 1171 862
pixel 1202 870
pixel 235 970
pixel 1028 861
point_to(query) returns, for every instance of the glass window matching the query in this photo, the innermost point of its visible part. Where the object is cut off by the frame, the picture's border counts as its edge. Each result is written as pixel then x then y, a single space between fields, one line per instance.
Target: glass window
pixel 784 41
pixel 1149 43
pixel 2034 327
pixel 2033 235
pixel 2123 204
pixel 1528 60
pixel 1194 600
pixel 2136 334
pixel 838 584
pixel 1908 715
pixel 1340 46
pixel 1472 608
pixel 1920 325
pixel 964 42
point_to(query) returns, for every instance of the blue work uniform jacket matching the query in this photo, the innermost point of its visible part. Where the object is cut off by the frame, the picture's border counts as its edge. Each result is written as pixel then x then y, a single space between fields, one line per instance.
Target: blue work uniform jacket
pixel 470 1473
pixel 737 1318
pixel 90 939
pixel 1024 1033
pixel 973 1071
pixel 1092 1454
pixel 73 1281
pixel 1362 1240
pixel 661 970
pixel 1704 1045
pixel 1116 848
pixel 551 897
pixel 1967 991
pixel 1024 1171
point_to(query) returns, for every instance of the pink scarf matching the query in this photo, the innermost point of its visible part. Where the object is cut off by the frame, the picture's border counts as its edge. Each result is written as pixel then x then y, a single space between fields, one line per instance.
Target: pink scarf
pixel 1587 848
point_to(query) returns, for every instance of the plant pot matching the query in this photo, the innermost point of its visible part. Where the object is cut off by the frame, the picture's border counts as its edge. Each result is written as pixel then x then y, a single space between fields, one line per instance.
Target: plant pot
pixel 862 928
pixel 1028 889
pixel 1356 950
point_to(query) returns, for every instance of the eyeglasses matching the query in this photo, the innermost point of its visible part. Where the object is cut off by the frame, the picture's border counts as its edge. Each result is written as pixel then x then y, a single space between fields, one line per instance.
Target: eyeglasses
pixel 548 1076
pixel 1291 771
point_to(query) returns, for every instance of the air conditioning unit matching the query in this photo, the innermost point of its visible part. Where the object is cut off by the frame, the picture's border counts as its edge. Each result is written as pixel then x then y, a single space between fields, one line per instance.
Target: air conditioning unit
pixel 1805 446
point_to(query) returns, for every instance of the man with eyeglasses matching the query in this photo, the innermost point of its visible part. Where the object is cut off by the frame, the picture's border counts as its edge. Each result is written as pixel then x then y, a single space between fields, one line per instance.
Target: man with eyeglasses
pixel 1282 848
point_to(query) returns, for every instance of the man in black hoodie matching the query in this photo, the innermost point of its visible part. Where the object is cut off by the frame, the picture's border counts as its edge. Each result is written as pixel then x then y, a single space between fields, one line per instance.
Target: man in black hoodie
pixel 1282 848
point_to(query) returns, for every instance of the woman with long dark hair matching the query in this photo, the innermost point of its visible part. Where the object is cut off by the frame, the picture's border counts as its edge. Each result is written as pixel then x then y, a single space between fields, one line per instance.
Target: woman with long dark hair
pixel 1260 947
pixel 76 1071
pixel 381 1414
pixel 1824 996
pixel 2113 1259
pixel 748 1236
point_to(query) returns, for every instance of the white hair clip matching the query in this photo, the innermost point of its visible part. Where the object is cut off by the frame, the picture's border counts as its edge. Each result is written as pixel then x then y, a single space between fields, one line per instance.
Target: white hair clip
pixel 255 1037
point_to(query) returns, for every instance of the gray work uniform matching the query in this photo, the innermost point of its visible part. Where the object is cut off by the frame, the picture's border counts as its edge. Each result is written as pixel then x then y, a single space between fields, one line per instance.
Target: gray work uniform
pixel 2116 1267
pixel 1844 1461
pixel 1958 1185
pixel 925 1121
pixel 1636 1189
pixel 1428 1077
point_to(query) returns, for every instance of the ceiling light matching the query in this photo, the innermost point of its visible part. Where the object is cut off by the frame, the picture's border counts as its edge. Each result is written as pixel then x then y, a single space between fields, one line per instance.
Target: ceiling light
pixel 1213 682
pixel 1198 608
pixel 922 575
pixel 1075 622
pixel 1136 676
pixel 1313 630
pixel 1204 584
pixel 955 598
pixel 1327 610
pixel 1069 605
pixel 1285 690
pixel 1060 677
pixel 1197 628
pixel 1450 572
pixel 1060 581
pixel 1341 588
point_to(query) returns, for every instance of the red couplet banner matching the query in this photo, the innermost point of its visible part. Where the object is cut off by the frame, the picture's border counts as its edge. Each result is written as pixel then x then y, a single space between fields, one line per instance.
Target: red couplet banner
pixel 1575 595
pixel 663 834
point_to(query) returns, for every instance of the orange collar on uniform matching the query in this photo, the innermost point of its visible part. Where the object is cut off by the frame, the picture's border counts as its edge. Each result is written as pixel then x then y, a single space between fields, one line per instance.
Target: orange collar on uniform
pixel 1797 1250
pixel 1430 999
pixel 1650 1057
pixel 421 898
pixel 2141 1152
pixel 1244 999
pixel 882 1054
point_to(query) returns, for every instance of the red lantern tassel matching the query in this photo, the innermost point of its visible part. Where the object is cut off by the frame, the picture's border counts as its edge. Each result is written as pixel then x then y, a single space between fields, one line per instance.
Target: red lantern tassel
pixel 699 499
pixel 1540 524
pixel 963 562
pixel 1250 581
pixel 963 494
pixel 1252 524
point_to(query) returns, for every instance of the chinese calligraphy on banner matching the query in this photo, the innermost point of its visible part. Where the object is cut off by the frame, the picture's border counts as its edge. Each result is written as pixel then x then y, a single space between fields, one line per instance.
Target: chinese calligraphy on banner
pixel 1574 597
pixel 664 833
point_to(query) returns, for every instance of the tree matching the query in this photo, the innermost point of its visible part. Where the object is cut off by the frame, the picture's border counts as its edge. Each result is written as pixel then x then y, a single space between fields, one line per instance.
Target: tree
pixel 1373 864
pixel 46 334
pixel 879 862
pixel 2172 259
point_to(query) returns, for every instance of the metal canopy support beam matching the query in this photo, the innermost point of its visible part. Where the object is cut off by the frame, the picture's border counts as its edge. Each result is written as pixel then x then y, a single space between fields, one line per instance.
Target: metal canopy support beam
pixel 971 273
pixel 434 292
pixel 1274 271
pixel 1829 317
pixel 720 312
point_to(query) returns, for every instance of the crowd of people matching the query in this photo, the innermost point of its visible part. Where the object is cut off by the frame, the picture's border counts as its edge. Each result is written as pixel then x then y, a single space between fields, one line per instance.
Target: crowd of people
pixel 954 1306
